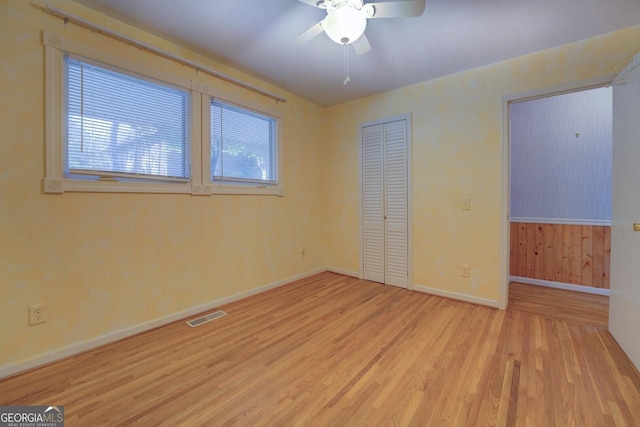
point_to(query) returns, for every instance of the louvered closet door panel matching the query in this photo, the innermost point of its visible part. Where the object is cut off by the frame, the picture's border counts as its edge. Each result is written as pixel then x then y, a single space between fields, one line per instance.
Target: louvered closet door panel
pixel 373 203
pixel 396 203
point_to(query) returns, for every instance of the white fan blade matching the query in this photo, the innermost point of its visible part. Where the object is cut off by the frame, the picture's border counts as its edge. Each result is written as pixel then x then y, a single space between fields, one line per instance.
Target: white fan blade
pixel 314 3
pixel 398 9
pixel 361 45
pixel 309 34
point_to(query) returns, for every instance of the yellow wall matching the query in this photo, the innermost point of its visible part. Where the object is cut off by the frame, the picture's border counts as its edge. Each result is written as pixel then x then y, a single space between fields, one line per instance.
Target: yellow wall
pixel 457 148
pixel 107 262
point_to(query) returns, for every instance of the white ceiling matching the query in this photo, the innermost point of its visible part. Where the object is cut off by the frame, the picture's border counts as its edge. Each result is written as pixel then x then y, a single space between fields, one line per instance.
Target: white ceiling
pixel 451 36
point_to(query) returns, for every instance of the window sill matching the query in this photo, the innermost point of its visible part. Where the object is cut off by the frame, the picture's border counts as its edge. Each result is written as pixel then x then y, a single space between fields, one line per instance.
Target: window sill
pixel 246 189
pixel 62 185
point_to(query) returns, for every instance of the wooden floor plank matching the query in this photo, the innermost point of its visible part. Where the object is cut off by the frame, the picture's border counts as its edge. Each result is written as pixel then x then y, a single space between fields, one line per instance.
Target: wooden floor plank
pixel 571 306
pixel 334 350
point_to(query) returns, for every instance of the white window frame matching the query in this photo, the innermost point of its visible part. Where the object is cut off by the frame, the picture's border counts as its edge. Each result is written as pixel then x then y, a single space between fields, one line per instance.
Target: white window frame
pixel 199 148
pixel 228 187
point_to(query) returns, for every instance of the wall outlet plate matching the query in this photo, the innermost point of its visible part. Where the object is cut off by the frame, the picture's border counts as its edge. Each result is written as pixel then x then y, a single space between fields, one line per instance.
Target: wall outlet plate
pixel 38 313
pixel 465 270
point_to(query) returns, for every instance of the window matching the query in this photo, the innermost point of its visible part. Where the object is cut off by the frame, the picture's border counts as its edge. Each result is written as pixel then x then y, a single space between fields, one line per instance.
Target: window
pixel 123 125
pixel 242 145
pixel 118 125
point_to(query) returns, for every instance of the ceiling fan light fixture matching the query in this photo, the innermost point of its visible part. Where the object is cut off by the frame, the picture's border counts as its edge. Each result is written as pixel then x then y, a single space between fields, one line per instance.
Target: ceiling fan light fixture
pixel 345 24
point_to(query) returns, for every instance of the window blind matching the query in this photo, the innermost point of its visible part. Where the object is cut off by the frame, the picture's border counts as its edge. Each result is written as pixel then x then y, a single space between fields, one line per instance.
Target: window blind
pixel 124 126
pixel 242 145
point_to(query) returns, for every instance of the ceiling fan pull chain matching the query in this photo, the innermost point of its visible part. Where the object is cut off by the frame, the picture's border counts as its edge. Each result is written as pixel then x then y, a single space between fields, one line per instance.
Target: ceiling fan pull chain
pixel 347 79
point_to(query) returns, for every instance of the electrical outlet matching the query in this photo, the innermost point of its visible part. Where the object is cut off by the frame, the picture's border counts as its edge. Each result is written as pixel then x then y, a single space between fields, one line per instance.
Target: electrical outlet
pixel 465 204
pixel 465 270
pixel 38 313
pixel 302 253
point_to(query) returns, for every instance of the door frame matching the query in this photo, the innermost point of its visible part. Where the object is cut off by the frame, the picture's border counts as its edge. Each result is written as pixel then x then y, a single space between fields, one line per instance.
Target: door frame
pixel 505 237
pixel 407 117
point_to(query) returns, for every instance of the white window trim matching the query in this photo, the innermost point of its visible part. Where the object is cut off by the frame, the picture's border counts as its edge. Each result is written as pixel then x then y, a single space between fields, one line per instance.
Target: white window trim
pixel 208 95
pixel 200 183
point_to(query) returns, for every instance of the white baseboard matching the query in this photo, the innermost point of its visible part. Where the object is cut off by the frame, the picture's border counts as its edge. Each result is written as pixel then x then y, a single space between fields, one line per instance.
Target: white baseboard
pixel 52 356
pixel 456 296
pixel 344 272
pixel 559 285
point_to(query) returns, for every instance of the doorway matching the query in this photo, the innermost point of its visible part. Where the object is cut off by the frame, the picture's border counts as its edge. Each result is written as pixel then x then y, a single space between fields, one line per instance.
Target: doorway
pixel 560 199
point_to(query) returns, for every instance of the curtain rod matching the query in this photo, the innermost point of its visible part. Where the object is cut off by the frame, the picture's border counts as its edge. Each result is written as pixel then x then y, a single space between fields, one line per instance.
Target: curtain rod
pixel 66 17
pixel 628 69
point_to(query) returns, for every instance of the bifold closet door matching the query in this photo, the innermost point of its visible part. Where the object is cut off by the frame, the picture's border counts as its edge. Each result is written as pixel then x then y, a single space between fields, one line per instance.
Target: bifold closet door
pixel 385 192
pixel 395 191
pixel 373 203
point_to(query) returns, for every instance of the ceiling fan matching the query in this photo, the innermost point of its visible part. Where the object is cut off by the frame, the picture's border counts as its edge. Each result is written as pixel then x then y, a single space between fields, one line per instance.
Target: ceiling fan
pixel 346 20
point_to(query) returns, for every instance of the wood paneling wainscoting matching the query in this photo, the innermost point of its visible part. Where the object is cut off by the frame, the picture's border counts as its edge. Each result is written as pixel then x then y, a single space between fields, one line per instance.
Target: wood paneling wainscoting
pixel 565 253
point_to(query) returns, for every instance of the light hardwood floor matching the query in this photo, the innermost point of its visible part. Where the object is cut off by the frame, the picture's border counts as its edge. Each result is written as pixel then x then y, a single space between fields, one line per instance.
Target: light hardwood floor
pixel 577 307
pixel 334 350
